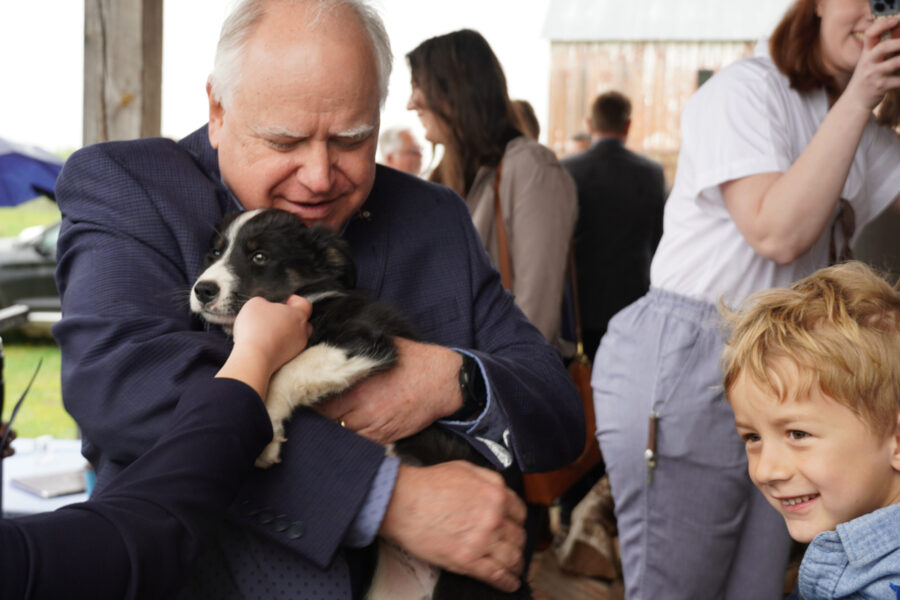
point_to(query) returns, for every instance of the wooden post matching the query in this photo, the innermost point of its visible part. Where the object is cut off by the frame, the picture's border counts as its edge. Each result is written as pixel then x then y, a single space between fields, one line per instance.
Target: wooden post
pixel 122 69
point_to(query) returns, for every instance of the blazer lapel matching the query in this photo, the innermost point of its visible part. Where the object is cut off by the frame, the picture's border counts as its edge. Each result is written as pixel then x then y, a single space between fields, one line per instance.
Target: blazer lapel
pixel 368 233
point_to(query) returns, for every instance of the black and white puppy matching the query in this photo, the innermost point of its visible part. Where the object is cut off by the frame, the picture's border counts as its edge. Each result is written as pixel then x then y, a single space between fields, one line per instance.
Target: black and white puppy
pixel 271 253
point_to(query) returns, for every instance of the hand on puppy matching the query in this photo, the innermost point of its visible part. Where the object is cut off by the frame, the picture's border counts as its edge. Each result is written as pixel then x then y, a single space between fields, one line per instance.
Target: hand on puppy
pixel 267 335
pixel 466 504
pixel 420 389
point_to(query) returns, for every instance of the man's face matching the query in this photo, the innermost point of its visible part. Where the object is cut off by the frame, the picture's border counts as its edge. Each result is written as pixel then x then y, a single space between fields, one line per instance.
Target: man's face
pixel 409 157
pixel 813 459
pixel 300 132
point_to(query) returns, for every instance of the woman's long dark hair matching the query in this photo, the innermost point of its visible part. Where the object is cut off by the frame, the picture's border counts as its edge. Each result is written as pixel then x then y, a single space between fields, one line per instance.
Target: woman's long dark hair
pixel 796 51
pixel 463 84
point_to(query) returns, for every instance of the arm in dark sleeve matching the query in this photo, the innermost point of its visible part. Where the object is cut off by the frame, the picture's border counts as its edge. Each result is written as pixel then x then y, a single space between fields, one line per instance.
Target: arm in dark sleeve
pixel 139 536
pixel 534 409
pixel 137 219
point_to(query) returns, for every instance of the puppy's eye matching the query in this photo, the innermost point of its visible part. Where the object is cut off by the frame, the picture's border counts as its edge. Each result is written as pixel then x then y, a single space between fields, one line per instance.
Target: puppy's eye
pixel 258 259
pixel 215 253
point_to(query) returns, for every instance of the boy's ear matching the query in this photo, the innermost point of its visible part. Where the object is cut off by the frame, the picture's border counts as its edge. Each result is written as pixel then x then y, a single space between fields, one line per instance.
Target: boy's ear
pixel 895 456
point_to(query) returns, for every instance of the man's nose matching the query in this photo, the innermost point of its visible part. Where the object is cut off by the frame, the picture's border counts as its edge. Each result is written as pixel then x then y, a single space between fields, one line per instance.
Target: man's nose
pixel 316 171
pixel 773 464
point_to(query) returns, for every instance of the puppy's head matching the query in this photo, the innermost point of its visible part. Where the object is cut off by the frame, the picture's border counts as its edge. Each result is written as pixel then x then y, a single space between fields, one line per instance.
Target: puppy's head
pixel 268 253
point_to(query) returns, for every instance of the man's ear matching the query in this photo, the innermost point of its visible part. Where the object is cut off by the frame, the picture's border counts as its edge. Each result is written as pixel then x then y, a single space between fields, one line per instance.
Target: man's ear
pixel 216 116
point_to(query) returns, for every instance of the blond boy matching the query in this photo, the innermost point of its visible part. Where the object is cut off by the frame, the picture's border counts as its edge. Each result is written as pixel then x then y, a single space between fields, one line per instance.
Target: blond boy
pixel 813 376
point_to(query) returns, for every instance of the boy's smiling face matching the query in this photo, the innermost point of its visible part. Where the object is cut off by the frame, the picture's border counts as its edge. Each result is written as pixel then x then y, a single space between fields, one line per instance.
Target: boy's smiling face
pixel 813 459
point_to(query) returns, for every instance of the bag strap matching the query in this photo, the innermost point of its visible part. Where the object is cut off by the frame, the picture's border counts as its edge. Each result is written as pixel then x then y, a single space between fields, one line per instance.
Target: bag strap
pixel 505 271
pixel 576 308
pixel 502 243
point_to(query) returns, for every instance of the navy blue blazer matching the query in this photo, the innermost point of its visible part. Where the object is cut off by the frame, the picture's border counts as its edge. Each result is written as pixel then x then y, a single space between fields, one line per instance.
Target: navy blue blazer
pixel 139 536
pixel 137 218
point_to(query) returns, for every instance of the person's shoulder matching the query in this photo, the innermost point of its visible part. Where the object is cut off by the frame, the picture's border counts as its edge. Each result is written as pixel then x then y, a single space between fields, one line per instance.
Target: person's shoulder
pixel 643 162
pixel 752 74
pixel 524 151
pixel 139 155
pixel 402 192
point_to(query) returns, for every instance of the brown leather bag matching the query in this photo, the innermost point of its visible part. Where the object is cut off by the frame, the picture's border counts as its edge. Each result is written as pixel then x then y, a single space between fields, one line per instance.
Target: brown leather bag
pixel 544 488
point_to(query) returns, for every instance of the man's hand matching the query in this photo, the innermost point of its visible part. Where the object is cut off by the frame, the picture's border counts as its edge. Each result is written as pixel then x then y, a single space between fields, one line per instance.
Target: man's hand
pixel 7 450
pixel 459 517
pixel 420 389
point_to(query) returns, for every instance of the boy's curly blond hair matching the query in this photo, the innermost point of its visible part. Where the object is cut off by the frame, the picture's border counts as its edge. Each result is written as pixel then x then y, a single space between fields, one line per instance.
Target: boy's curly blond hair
pixel 840 327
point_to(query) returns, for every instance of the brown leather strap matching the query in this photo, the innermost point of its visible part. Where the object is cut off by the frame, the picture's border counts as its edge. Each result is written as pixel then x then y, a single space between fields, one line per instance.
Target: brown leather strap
pixel 576 308
pixel 502 243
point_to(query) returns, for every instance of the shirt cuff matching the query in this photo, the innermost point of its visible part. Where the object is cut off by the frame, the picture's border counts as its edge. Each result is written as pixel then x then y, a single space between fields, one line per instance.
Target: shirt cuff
pixel 490 430
pixel 368 520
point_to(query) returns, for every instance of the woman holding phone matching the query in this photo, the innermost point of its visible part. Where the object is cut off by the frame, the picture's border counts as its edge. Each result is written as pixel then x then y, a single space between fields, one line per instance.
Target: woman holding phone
pixel 782 163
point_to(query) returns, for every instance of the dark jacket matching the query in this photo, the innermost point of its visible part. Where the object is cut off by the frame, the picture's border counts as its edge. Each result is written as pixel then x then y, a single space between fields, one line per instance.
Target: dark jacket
pixel 139 536
pixel 137 218
pixel 620 214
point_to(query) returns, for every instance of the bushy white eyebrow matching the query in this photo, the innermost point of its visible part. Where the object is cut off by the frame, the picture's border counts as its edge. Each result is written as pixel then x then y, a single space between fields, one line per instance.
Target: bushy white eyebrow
pixel 358 132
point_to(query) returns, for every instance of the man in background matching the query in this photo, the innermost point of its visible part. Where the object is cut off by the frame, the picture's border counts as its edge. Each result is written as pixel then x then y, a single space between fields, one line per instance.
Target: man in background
pixel 400 150
pixel 620 214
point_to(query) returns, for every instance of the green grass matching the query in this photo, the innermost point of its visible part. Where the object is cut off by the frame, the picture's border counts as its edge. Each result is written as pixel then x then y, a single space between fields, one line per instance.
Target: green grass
pixel 42 412
pixel 39 211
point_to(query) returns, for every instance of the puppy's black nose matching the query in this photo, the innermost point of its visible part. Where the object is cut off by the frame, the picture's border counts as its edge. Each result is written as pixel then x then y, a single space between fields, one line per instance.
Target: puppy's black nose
pixel 206 291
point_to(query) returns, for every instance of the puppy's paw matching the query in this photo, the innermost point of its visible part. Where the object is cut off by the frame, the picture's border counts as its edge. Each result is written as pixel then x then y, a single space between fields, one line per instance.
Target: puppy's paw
pixel 271 454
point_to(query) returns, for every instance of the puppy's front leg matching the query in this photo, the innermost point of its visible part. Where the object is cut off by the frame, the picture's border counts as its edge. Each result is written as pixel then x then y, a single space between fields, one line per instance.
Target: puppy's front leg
pixel 316 373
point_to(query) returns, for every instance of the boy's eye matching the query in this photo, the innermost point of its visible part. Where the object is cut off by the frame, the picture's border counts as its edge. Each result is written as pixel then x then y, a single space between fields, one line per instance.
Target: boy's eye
pixel 750 437
pixel 796 434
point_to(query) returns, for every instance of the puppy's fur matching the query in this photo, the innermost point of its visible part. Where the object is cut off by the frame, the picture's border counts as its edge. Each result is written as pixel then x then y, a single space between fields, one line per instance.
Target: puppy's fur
pixel 271 253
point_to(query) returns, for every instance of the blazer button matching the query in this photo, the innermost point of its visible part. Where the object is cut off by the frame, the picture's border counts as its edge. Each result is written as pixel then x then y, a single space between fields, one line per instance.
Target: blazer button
pixel 296 530
pixel 265 517
pixel 281 523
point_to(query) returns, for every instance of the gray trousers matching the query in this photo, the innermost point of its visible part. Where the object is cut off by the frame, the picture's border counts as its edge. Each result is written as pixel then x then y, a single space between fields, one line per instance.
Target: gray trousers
pixel 700 529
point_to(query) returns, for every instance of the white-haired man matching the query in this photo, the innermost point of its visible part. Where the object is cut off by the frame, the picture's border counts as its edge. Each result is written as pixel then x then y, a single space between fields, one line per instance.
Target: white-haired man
pixel 400 150
pixel 294 116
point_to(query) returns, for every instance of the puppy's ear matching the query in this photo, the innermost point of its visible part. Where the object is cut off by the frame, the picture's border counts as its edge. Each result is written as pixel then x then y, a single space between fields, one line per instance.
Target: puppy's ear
pixel 336 255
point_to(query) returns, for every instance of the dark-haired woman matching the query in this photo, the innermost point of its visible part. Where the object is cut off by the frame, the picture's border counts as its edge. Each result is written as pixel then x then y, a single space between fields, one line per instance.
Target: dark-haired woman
pixel 781 162
pixel 459 92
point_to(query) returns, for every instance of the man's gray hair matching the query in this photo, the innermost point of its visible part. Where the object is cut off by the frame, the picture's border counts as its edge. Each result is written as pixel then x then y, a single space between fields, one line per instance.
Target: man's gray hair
pixel 390 141
pixel 246 15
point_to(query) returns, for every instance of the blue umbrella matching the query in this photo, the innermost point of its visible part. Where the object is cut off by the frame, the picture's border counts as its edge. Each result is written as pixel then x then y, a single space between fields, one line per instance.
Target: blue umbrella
pixel 26 172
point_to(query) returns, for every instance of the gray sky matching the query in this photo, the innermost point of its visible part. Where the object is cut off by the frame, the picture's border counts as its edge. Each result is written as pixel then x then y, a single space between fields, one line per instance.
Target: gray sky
pixel 42 50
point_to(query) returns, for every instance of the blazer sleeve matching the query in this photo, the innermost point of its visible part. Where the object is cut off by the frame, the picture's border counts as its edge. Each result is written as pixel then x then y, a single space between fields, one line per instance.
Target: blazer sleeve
pixel 139 536
pixel 137 217
pixel 534 410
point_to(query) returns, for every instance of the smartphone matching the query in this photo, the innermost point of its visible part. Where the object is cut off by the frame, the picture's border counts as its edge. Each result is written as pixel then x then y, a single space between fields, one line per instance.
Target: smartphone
pixel 884 8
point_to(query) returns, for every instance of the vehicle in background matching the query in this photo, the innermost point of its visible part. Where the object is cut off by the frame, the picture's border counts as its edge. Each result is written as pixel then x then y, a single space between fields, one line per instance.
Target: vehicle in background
pixel 27 267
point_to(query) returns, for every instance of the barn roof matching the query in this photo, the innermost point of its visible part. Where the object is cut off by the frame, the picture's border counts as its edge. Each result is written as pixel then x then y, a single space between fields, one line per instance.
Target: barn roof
pixel 657 20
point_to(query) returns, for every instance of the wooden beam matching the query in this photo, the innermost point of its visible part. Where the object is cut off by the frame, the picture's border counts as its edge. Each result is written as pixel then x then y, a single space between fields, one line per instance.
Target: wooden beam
pixel 122 69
